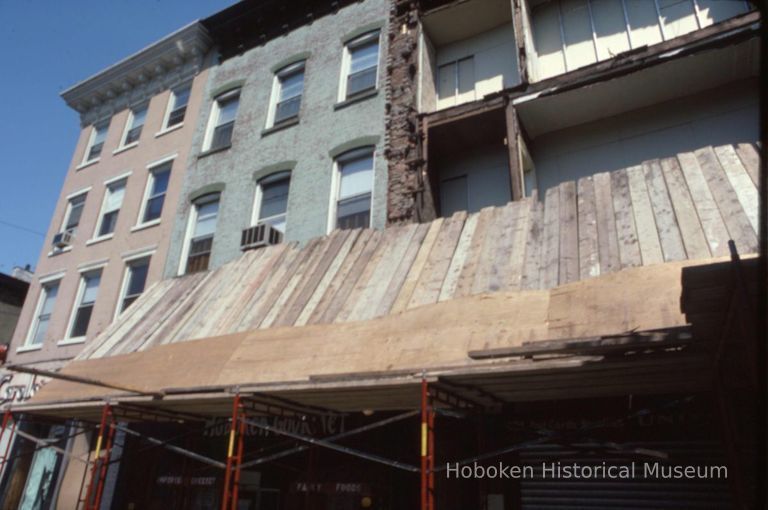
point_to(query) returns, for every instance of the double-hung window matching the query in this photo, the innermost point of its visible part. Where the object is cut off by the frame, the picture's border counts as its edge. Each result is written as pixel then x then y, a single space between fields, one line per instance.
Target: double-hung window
pixel 39 328
pixel 135 280
pixel 271 201
pixel 361 65
pixel 157 187
pixel 96 142
pixel 205 211
pixel 86 298
pixel 74 212
pixel 354 182
pixel 222 121
pixel 456 82
pixel 177 106
pixel 134 125
pixel 286 95
pixel 113 200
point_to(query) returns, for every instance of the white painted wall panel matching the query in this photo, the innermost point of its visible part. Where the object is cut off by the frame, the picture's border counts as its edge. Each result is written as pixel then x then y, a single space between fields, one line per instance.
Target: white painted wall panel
pixel 610 28
pixel 486 183
pixel 644 23
pixel 577 28
pixel 550 60
pixel 714 11
pixel 677 17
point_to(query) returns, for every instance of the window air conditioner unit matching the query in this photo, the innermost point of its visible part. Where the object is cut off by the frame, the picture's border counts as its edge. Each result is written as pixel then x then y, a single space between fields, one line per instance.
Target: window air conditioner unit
pixel 259 236
pixel 62 240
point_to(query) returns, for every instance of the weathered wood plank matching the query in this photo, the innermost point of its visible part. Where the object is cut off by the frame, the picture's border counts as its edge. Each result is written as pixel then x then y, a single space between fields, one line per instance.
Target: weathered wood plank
pixel 645 222
pixel 532 265
pixel 736 220
pixel 569 233
pixel 695 241
pixel 406 290
pixel 516 258
pixel 750 157
pixel 629 247
pixel 589 257
pixel 459 258
pixel 607 237
pixel 666 223
pixel 402 269
pixel 711 221
pixel 745 188
pixel 502 246
pixel 550 251
pixel 432 276
pixel 486 259
pixel 467 276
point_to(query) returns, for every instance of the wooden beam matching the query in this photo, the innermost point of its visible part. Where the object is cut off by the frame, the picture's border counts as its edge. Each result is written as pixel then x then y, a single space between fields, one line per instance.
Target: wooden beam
pixel 82 380
pixel 517 19
pixel 513 149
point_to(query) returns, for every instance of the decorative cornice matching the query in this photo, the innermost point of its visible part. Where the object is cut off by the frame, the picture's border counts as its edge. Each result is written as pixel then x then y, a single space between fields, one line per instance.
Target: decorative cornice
pixel 163 64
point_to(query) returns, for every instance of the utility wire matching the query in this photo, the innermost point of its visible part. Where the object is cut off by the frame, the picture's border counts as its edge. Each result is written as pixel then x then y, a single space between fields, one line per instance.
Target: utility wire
pixel 22 228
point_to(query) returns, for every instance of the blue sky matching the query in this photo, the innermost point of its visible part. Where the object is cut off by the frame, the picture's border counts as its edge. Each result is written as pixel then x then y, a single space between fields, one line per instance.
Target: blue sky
pixel 46 46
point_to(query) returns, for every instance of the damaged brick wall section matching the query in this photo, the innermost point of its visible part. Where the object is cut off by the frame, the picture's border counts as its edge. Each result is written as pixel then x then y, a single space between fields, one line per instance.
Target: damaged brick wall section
pixel 408 200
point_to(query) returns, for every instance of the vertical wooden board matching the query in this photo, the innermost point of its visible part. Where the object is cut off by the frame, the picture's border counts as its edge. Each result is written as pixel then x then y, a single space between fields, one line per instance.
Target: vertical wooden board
pixel 629 248
pixel 511 279
pixel 370 299
pixel 569 233
pixel 500 250
pixel 550 254
pixel 459 257
pixel 669 232
pixel 487 255
pixel 327 276
pixel 607 237
pixel 645 222
pixel 750 157
pixel 530 279
pixel 402 269
pixel 736 220
pixel 467 275
pixel 695 241
pixel 589 258
pixel 349 262
pixel 745 189
pixel 431 280
pixel 406 290
pixel 711 221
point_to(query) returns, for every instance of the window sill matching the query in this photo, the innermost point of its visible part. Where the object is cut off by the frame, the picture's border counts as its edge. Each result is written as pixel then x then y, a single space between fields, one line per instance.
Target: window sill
pixel 96 240
pixel 142 226
pixel 71 341
pixel 125 148
pixel 169 130
pixel 53 253
pixel 28 348
pixel 214 151
pixel 87 164
pixel 282 125
pixel 360 96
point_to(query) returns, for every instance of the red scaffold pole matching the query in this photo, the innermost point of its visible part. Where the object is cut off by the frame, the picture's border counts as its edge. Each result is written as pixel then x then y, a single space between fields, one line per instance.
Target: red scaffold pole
pixel 424 444
pixel 431 458
pixel 105 462
pixel 225 499
pixel 90 503
pixel 7 417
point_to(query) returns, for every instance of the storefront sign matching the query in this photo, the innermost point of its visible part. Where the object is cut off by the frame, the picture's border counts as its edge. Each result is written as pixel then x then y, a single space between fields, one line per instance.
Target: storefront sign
pixel 330 488
pixel 199 481
pixel 15 388
pixel 315 426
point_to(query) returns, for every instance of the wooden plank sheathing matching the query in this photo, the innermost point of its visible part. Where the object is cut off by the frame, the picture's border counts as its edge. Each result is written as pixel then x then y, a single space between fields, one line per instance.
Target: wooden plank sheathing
pixel 750 157
pixel 742 184
pixel 669 232
pixel 569 233
pixel 607 237
pixel 531 277
pixel 550 250
pixel 589 258
pixel 467 275
pixel 498 249
pixel 335 284
pixel 370 300
pixel 645 222
pixel 433 275
pixel 459 258
pixel 401 270
pixel 696 246
pixel 709 214
pixel 487 257
pixel 327 276
pixel 511 276
pixel 629 247
pixel 409 284
pixel 734 216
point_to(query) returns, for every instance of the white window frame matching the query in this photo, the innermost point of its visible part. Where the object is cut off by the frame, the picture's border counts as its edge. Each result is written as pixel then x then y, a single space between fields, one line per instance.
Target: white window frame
pixel 84 273
pixel 277 87
pixel 45 284
pixel 170 106
pixel 107 185
pixel 275 176
pixel 213 119
pixel 346 61
pixel 92 138
pixel 151 168
pixel 68 208
pixel 456 74
pixel 129 126
pixel 336 183
pixel 129 263
pixel 191 221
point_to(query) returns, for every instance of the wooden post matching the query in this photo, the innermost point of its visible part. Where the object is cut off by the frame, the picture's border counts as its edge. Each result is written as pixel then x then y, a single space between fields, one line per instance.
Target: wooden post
pixel 513 149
